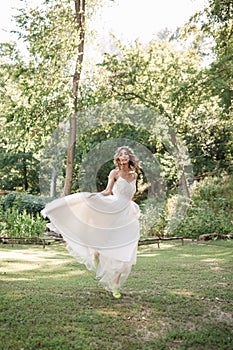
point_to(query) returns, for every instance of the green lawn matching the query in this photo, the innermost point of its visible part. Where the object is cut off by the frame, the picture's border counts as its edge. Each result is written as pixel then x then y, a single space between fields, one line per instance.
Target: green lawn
pixel 177 297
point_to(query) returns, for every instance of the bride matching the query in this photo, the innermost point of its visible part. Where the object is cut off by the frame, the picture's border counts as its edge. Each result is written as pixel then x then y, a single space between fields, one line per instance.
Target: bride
pixel 102 229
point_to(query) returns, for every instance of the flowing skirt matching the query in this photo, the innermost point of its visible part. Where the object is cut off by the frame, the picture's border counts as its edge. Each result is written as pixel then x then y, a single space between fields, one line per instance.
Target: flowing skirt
pixel 101 232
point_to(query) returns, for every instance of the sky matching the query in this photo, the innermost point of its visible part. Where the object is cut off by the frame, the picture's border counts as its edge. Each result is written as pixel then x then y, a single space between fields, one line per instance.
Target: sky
pixel 137 19
pixel 127 19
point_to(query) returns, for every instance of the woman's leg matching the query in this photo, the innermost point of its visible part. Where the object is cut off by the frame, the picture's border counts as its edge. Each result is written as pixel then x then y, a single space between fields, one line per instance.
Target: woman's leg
pixel 96 259
pixel 116 287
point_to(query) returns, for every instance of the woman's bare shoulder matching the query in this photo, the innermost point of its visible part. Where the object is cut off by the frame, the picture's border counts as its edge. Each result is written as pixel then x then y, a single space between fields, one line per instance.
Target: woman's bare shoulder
pixel 114 173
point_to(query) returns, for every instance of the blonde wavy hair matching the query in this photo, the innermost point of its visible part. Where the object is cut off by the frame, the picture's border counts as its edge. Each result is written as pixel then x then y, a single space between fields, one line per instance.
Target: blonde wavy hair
pixel 133 160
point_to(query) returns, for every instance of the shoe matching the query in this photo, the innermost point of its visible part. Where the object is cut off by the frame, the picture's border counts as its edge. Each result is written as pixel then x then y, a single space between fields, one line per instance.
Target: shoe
pixel 116 293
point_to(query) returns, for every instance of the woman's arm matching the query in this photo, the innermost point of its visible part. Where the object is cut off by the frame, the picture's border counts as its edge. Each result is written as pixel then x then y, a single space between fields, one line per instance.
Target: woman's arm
pixel 111 180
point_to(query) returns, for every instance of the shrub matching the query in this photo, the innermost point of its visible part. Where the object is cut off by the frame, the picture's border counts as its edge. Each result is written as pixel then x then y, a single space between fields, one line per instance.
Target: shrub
pixel 20 215
pixel 211 209
pixel 21 224
pixel 24 202
pixel 202 220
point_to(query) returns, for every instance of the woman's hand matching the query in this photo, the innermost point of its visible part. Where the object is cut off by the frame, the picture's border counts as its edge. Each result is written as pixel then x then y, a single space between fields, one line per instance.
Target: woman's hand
pixel 92 195
pixel 95 194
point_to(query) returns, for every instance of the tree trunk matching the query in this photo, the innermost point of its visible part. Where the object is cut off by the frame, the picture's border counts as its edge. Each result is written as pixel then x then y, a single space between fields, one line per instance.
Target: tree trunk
pixel 80 18
pixel 180 167
pixel 53 183
pixel 25 172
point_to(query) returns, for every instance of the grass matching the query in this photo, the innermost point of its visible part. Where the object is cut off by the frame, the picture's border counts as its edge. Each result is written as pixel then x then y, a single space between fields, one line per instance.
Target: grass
pixel 177 297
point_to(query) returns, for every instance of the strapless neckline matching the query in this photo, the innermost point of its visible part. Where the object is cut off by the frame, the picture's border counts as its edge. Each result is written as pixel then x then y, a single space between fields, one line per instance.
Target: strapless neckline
pixel 129 182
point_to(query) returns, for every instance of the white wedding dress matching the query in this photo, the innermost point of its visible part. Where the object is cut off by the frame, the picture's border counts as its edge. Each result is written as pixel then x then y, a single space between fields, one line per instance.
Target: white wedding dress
pixel 101 232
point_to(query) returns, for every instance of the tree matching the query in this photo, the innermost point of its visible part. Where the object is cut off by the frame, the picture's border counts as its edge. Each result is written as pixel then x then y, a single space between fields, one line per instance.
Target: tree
pixel 80 18
pixel 170 81
pixel 214 26
pixel 37 93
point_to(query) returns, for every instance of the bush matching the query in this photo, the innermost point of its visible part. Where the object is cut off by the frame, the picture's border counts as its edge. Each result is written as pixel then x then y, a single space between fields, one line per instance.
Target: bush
pixel 203 220
pixel 20 215
pixel 21 224
pixel 211 209
pixel 24 202
pixel 152 217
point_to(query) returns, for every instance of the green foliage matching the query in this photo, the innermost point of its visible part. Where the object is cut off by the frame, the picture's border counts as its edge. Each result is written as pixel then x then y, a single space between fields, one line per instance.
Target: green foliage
pixel 211 209
pixel 20 215
pixel 152 218
pixel 36 94
pixel 214 28
pixel 14 223
pixel 24 202
pixel 222 11
pixel 174 84
pixel 18 171
pixel 155 75
pixel 203 220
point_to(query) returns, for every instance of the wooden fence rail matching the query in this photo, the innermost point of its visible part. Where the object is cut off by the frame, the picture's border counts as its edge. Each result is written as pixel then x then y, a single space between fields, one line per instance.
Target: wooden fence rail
pixel 47 240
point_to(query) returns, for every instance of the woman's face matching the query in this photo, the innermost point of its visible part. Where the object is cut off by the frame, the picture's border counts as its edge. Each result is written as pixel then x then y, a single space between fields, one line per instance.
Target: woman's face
pixel 123 156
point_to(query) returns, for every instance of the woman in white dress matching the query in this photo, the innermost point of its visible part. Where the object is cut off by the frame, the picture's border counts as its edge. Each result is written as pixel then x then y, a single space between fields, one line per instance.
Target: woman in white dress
pixel 102 229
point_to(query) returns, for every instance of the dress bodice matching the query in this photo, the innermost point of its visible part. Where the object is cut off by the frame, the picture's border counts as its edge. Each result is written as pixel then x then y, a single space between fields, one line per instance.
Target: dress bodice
pixel 122 187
